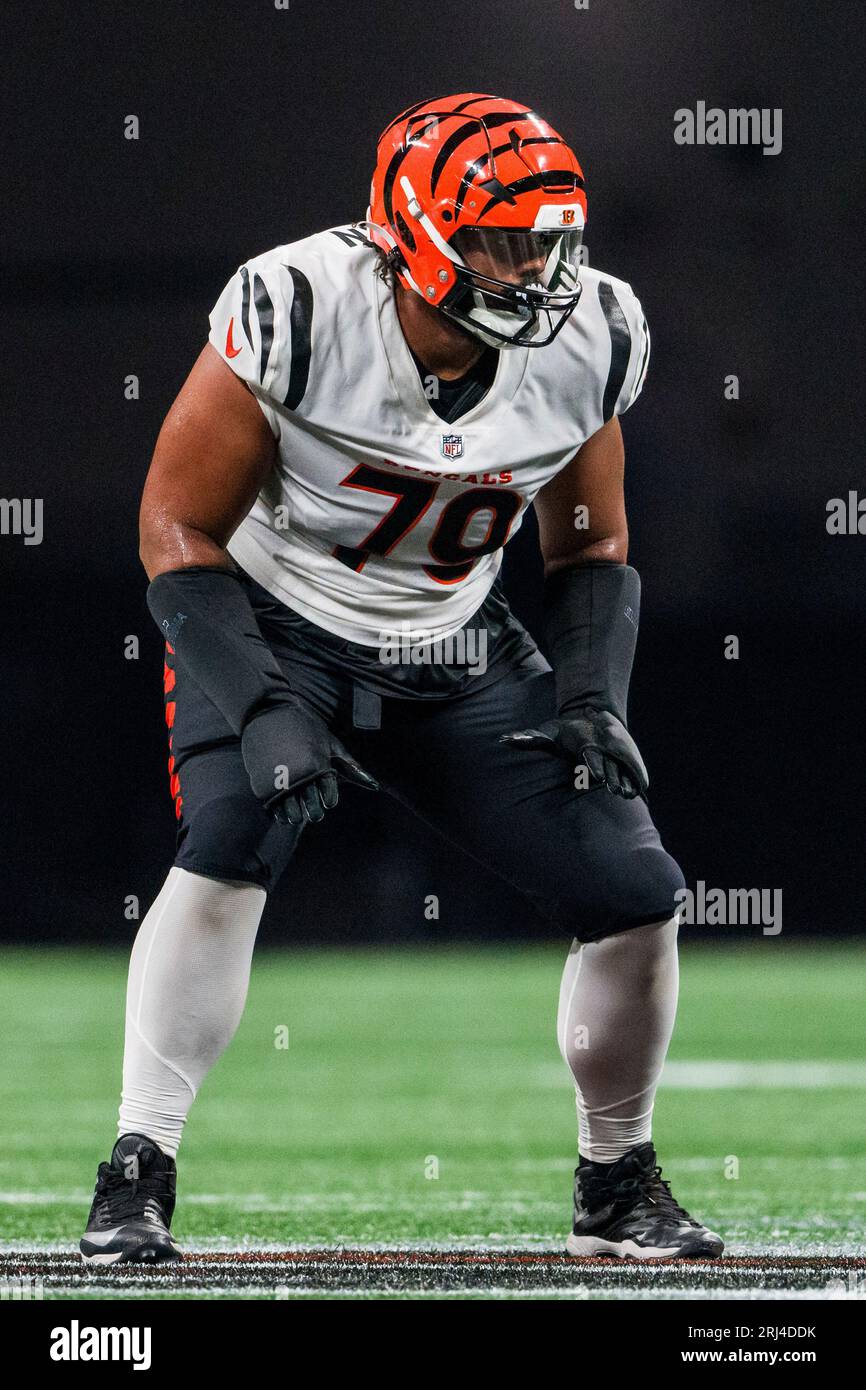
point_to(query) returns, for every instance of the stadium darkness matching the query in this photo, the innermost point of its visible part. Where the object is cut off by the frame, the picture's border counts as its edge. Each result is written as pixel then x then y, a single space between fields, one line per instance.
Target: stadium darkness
pixel 114 252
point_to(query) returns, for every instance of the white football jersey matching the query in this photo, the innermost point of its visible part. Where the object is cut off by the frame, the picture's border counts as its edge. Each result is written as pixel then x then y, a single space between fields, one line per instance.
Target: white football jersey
pixel 380 517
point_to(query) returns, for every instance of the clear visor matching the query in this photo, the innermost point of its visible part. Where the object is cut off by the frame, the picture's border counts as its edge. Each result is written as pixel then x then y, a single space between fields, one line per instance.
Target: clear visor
pixel 546 260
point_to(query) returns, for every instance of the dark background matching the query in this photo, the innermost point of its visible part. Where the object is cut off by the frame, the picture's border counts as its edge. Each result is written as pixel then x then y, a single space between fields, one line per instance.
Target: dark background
pixel 258 126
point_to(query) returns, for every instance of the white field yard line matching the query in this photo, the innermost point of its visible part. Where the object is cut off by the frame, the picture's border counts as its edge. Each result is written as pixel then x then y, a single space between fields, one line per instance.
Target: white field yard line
pixel 528 1243
pixel 531 1243
pixel 585 1293
pixel 731 1076
pixel 577 1293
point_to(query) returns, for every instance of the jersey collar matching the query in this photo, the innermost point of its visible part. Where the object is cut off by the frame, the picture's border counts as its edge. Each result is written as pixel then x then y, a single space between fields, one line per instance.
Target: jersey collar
pixel 407 383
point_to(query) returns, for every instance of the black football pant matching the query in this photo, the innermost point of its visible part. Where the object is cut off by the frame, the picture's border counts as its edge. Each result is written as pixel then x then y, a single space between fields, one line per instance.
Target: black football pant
pixel 590 862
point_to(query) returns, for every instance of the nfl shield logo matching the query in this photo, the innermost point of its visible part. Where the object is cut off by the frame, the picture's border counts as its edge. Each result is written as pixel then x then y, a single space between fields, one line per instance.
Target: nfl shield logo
pixel 452 446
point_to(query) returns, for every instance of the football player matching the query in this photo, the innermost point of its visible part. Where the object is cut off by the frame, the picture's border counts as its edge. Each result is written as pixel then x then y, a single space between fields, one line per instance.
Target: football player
pixel 376 408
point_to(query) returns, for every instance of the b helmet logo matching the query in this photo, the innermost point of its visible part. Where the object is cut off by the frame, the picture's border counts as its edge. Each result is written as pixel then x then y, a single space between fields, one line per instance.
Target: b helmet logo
pixel 567 219
pixel 452 446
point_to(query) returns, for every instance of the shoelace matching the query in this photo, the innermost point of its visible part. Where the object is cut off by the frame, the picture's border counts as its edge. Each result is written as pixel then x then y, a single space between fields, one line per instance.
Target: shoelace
pixel 120 1197
pixel 647 1183
pixel 664 1199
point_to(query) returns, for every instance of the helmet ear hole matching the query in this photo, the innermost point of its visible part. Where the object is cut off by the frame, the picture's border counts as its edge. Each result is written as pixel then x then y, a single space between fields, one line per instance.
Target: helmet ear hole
pixel 405 233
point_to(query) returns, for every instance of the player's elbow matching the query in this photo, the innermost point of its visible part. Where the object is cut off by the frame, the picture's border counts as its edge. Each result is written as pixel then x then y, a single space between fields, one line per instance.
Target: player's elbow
pixel 146 545
pixel 166 542
pixel 148 558
pixel 160 542
pixel 151 543
pixel 612 550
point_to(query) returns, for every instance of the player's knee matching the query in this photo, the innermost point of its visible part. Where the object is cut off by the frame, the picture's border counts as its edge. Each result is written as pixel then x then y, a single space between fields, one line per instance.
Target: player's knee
pixel 217 902
pixel 633 889
pixel 233 838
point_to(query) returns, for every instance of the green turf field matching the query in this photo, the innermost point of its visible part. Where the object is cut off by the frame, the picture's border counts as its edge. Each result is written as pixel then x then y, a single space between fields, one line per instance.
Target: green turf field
pixel 421 1099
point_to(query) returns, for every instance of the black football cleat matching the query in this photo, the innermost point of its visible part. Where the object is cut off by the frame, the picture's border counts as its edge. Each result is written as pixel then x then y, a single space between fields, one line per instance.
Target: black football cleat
pixel 626 1210
pixel 132 1206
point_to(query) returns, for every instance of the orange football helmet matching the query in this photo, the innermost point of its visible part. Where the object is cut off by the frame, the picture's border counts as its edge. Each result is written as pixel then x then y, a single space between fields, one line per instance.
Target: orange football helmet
pixel 480 205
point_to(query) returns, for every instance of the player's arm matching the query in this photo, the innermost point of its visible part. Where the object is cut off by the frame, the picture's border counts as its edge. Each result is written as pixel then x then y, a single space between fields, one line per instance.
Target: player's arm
pixel 581 512
pixel 592 603
pixel 212 457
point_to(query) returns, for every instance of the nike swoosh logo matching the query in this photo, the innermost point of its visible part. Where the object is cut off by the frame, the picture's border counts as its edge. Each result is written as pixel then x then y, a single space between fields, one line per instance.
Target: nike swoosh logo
pixel 101 1237
pixel 231 350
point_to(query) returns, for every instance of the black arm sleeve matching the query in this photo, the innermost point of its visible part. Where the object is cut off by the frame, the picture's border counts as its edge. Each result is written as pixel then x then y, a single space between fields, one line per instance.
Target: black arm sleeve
pixel 592 614
pixel 205 615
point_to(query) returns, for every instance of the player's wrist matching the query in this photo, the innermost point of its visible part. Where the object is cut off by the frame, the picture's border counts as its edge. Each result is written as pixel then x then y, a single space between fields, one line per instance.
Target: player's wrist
pixel 205 615
pixel 591 623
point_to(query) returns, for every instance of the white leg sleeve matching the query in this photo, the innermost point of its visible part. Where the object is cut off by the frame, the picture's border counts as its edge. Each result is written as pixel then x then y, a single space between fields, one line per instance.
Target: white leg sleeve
pixel 617 1005
pixel 188 978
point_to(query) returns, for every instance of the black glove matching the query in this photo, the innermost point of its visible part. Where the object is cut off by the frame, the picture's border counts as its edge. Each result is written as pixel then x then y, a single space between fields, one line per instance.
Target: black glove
pixel 591 616
pixel 596 738
pixel 293 761
pixel 291 756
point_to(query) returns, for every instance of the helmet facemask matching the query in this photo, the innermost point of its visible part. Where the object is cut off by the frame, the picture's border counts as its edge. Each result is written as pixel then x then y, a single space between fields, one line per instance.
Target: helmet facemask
pixel 515 287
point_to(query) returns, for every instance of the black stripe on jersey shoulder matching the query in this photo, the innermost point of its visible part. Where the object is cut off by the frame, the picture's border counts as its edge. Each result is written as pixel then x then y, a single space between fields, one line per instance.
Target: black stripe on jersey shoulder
pixel 646 346
pixel 245 304
pixel 350 236
pixel 620 347
pixel 265 310
pixel 301 319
